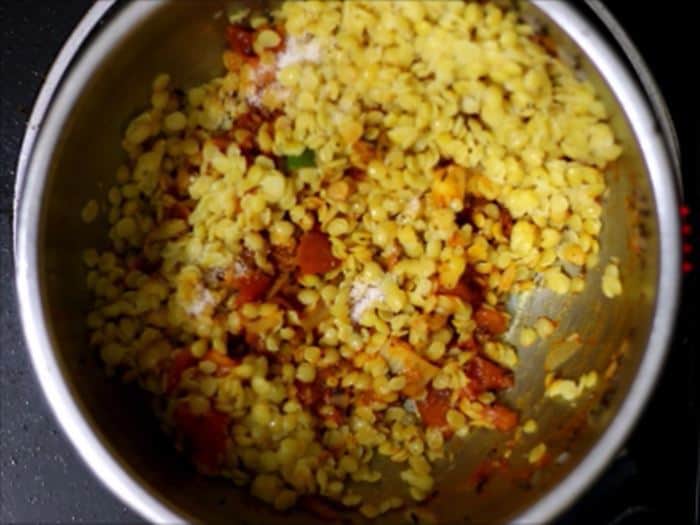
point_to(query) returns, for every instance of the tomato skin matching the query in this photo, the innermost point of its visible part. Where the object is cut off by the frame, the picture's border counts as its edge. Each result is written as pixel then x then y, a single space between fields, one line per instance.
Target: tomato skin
pixel 433 409
pixel 314 254
pixel 491 320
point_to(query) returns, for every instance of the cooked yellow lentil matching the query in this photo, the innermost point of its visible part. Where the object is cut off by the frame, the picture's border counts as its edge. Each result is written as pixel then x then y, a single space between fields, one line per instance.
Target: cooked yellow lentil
pixel 568 389
pixel 530 426
pixel 611 284
pixel 90 211
pixel 310 254
pixel 537 453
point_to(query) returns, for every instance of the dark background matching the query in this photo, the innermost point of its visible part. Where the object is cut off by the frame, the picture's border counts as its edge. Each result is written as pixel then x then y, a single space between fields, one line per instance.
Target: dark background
pixel 42 479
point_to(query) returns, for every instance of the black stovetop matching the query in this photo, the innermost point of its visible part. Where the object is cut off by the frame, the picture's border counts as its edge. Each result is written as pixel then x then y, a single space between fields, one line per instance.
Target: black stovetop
pixel 653 479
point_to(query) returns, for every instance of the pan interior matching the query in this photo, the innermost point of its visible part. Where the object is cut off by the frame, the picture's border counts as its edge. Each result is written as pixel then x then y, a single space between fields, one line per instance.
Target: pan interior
pixel 184 39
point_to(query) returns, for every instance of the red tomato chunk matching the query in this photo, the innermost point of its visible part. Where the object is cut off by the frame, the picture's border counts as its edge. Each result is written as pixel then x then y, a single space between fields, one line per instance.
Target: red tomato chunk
pixel 433 409
pixel 252 287
pixel 205 435
pixel 491 320
pixel 501 417
pixel 240 39
pixel 484 376
pixel 314 254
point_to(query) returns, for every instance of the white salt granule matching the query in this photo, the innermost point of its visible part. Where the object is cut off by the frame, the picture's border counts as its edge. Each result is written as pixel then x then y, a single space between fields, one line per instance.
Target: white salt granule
pixel 363 296
pixel 199 304
pixel 298 50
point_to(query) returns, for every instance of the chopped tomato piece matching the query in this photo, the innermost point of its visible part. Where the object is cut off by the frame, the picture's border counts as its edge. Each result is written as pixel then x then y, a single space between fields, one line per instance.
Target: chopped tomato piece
pixel 484 376
pixel 355 173
pixel 363 153
pixel 546 42
pixel 468 344
pixel 240 39
pixel 251 286
pixel 491 320
pixel 205 435
pixel 470 292
pixel 314 253
pixel 221 141
pixel 250 120
pixel 222 361
pixel 182 360
pixel 433 409
pixel 501 417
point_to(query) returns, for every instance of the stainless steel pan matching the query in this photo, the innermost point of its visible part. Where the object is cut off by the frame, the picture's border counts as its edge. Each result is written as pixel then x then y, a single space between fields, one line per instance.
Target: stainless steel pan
pixel 70 154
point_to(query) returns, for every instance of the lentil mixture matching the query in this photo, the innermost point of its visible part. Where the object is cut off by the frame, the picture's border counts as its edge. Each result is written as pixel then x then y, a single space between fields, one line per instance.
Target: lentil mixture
pixel 310 255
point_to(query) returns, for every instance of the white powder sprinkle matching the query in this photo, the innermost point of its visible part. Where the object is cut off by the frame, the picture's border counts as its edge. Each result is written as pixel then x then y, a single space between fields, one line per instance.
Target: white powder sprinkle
pixel 410 212
pixel 297 50
pixel 253 98
pixel 363 296
pixel 199 304
pixel 240 268
pixel 254 93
